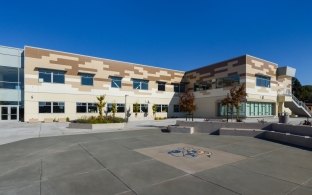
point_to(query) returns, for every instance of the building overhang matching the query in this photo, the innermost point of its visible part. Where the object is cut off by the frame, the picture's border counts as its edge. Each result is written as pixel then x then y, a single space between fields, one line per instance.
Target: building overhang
pixel 286 71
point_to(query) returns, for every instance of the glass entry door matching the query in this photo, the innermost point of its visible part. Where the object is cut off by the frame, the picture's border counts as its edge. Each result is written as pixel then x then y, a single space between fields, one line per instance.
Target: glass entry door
pixel 8 113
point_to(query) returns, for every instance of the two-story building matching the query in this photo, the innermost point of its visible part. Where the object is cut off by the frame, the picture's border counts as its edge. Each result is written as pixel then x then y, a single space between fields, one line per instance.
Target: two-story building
pixel 41 84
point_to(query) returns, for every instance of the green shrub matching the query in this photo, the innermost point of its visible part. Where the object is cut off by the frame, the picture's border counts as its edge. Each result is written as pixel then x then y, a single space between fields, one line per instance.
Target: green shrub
pixel 98 119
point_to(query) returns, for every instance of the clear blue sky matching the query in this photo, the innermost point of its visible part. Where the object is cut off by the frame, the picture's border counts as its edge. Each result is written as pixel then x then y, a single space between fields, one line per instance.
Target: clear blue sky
pixel 174 34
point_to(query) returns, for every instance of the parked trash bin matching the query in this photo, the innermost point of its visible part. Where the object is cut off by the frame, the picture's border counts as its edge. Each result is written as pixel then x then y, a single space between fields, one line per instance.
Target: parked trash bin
pixel 283 118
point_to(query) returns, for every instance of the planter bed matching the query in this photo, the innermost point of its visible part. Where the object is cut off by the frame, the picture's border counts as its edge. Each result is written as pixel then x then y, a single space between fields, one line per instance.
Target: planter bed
pixel 96 126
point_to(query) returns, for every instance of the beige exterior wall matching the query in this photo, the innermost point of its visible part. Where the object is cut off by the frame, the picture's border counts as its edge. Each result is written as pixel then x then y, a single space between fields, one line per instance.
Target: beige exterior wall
pixel 72 91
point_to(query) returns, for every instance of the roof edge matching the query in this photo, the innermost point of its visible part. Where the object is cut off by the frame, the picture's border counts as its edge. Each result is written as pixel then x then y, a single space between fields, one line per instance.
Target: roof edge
pixel 103 58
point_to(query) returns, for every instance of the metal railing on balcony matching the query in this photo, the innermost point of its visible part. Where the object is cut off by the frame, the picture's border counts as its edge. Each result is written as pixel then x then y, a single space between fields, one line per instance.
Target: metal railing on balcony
pixel 286 92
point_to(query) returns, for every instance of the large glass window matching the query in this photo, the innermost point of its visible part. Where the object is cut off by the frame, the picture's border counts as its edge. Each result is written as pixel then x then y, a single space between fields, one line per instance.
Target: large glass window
pixel 263 81
pixel 9 78
pixel 116 82
pixel 223 110
pixel 58 107
pixel 120 107
pixel 228 81
pixel 51 107
pixel 249 109
pixel 86 79
pixel 179 88
pixel 45 107
pixel 259 109
pixel 205 85
pixel 92 108
pixel 140 84
pixel 161 86
pixel 176 108
pixel 51 76
pixel 161 108
pixel 82 107
pixel 142 107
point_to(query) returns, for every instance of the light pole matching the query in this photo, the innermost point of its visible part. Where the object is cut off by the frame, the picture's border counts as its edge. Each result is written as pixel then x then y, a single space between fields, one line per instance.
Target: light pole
pixel 126 110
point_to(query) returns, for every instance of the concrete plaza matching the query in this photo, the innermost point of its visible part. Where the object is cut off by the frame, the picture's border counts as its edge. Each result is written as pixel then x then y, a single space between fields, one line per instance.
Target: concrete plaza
pixel 109 163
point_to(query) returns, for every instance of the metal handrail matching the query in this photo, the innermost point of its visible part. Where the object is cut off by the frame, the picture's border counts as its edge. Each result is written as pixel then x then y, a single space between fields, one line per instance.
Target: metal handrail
pixel 301 103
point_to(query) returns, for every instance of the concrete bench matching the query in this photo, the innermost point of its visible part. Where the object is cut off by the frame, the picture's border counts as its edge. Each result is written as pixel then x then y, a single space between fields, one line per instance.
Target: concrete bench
pixel 180 129
pixel 242 132
pixel 297 140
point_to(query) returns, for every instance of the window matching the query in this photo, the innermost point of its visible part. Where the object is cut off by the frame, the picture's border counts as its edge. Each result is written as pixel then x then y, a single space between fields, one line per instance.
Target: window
pixel 58 107
pixel 52 76
pixel 86 79
pixel 263 81
pixel 45 107
pixel 202 86
pixel 92 108
pixel 120 108
pixel 9 77
pixel 228 81
pixel 142 107
pixel 140 84
pixel 259 109
pixel 222 110
pixel 161 108
pixel 161 86
pixel 82 107
pixel 179 88
pixel 176 108
pixel 51 107
pixel 116 82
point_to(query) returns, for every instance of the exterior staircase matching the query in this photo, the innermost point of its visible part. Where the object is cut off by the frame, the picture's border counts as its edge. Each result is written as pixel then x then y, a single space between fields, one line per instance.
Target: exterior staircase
pixel 298 107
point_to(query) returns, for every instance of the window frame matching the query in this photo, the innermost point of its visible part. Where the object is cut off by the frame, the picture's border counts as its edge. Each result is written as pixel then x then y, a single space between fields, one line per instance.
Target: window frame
pixel 161 108
pixel 86 76
pixel 86 106
pixel 52 75
pixel 141 106
pixel 263 81
pixel 51 107
pixel 140 84
pixel 118 105
pixel 161 84
pixel 177 87
pixel 113 81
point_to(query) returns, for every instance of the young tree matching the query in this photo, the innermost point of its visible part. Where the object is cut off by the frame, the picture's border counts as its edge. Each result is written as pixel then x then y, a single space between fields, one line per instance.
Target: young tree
pixel 154 108
pixel 186 103
pixel 114 109
pixel 234 99
pixel 136 108
pixel 101 104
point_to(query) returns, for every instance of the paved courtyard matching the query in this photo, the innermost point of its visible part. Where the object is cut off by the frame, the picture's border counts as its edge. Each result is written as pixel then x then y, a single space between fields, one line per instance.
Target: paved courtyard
pixel 130 162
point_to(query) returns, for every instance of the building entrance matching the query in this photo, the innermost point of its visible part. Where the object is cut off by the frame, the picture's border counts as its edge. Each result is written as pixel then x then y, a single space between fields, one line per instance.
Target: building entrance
pixel 9 113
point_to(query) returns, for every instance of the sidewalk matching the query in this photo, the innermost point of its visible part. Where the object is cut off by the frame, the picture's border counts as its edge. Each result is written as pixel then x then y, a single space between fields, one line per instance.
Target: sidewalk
pixel 14 131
